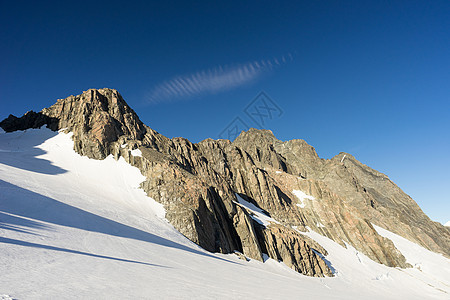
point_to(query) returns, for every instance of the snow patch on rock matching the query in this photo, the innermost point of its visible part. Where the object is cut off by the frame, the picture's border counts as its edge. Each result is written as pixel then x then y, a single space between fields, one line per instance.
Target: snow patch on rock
pixel 256 213
pixel 302 197
pixel 136 152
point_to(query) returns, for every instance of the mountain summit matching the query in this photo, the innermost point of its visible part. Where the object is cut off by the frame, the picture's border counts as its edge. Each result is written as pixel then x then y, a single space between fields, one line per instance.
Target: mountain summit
pixel 256 195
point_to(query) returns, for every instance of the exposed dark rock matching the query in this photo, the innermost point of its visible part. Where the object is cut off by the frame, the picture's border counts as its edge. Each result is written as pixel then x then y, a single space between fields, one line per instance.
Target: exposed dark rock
pixel 30 119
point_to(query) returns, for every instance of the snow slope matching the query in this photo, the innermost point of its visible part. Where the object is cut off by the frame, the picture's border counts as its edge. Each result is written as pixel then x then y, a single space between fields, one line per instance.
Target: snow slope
pixel 447 224
pixel 72 227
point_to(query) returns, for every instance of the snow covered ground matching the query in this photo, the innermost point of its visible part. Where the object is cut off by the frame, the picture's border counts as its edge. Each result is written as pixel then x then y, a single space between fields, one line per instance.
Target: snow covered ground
pixel 72 227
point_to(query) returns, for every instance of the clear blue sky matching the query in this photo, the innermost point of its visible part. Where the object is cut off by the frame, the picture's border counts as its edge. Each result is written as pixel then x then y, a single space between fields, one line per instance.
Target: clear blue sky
pixel 366 77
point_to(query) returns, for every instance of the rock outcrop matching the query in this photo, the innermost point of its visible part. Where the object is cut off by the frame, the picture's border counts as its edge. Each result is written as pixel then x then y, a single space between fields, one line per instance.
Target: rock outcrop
pixel 197 184
pixel 287 245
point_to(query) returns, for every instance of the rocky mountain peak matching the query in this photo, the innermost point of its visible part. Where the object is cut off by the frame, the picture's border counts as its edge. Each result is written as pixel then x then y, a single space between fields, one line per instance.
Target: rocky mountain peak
pixel 256 137
pixel 107 100
pixel 204 187
pixel 97 118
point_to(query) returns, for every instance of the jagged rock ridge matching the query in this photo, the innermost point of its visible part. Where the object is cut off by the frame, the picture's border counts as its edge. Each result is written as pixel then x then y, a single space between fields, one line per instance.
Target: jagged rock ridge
pixel 197 183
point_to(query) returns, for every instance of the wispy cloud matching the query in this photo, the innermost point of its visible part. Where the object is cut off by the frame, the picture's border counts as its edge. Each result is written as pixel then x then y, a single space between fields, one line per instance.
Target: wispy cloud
pixel 213 80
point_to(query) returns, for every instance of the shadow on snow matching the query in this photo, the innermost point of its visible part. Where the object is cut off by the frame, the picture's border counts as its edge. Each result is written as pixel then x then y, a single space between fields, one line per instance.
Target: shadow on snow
pixel 23 204
pixel 21 152
pixel 35 245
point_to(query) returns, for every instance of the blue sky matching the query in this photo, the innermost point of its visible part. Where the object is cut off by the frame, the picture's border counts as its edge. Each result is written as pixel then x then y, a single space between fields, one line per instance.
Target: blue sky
pixel 366 77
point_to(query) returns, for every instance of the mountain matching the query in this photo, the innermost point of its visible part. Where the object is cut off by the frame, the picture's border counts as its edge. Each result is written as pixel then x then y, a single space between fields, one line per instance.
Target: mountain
pixel 447 224
pixel 257 196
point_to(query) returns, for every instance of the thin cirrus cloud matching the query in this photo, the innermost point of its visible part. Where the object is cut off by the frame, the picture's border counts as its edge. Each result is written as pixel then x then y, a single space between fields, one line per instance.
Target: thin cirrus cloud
pixel 213 80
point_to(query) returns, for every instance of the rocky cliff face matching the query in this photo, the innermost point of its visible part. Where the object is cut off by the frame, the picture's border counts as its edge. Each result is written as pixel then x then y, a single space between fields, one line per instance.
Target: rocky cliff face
pixel 197 183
